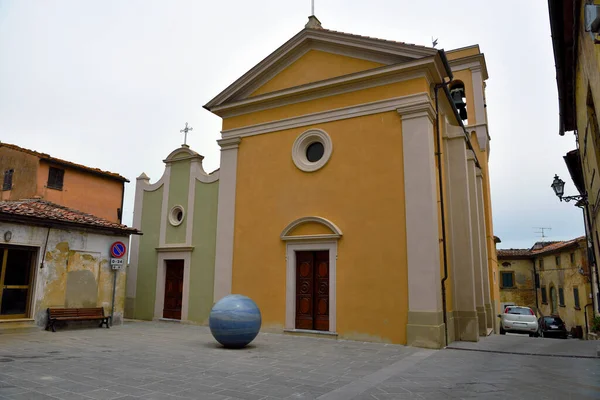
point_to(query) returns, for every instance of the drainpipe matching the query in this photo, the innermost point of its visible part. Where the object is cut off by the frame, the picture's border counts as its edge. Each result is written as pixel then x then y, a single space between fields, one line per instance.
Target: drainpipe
pixel 587 329
pixel 45 248
pixel 443 218
pixel 120 211
pixel 591 256
pixel 535 286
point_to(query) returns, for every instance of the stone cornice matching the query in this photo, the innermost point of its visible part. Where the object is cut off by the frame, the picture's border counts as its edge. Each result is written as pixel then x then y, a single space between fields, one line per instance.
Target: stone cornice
pixel 328 116
pixel 423 109
pixel 229 143
pixel 470 62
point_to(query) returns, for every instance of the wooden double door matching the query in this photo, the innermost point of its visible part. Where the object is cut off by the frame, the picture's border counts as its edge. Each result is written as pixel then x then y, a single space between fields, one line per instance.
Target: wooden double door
pixel 16 277
pixel 173 289
pixel 312 290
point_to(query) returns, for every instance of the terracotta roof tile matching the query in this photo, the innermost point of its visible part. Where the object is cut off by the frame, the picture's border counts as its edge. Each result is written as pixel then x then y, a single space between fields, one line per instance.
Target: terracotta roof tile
pixel 554 246
pixel 375 38
pixel 42 210
pixel 513 252
pixel 47 157
pixel 539 248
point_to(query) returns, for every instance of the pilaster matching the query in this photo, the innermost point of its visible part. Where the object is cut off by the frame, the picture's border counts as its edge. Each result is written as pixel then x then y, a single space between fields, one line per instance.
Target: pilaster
pixel 134 252
pixel 226 217
pixel 460 226
pixel 487 300
pixel 480 124
pixel 476 248
pixel 425 326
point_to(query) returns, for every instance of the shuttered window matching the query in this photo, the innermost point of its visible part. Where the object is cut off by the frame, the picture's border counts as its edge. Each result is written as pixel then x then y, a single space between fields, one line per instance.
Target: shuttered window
pixel 561 296
pixel 576 297
pixel 544 296
pixel 508 279
pixel 55 178
pixel 7 183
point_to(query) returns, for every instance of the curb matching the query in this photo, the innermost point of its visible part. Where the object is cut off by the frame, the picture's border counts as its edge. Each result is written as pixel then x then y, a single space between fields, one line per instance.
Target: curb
pixel 528 354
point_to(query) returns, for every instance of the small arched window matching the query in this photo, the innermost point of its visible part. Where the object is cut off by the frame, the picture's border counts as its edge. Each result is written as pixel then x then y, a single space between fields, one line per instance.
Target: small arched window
pixel 457 92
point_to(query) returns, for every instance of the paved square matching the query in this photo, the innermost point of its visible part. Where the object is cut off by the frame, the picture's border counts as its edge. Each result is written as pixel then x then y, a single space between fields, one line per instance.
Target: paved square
pixel 148 360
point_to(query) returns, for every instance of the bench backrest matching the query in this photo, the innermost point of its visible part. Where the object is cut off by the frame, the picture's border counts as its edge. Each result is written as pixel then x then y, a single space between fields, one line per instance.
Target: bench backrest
pixel 75 312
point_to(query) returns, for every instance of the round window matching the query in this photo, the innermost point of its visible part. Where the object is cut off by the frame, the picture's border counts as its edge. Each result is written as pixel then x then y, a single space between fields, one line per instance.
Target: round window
pixel 315 151
pixel 176 215
pixel 311 150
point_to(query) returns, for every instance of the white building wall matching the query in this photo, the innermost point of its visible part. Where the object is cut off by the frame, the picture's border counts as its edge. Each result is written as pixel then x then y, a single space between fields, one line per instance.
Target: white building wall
pixel 75 271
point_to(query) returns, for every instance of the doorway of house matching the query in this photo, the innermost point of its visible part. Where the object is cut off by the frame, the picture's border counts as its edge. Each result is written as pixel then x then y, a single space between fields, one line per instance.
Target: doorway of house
pixel 312 290
pixel 173 289
pixel 16 272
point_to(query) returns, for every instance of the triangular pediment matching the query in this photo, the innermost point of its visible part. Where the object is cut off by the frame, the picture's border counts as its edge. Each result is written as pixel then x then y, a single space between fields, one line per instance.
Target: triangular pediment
pixel 315 66
pixel 361 53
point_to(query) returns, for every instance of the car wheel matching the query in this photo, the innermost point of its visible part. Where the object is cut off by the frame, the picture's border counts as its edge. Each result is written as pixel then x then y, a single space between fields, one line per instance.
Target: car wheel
pixel 502 331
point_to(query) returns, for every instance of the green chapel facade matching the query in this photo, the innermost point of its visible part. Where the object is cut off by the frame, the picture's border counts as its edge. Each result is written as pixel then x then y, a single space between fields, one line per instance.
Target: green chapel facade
pixel 171 271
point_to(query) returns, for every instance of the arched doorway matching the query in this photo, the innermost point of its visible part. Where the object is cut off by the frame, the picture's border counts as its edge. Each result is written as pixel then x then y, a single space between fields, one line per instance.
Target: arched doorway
pixel 553 300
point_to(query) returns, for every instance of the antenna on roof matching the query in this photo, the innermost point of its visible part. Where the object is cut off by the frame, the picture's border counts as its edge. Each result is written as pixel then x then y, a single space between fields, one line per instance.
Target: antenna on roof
pixel 434 41
pixel 541 231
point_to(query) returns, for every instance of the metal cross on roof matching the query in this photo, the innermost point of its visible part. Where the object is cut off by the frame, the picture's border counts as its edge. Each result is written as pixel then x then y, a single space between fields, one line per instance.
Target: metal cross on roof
pixel 185 132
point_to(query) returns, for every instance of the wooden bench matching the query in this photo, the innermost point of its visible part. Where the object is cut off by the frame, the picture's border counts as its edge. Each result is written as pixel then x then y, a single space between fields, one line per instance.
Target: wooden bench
pixel 76 314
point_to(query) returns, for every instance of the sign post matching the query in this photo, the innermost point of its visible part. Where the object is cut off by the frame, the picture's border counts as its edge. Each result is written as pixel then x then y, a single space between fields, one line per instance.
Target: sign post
pixel 117 250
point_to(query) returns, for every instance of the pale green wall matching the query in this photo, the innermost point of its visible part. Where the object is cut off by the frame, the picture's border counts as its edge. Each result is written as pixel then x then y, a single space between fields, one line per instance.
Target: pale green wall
pixel 178 195
pixel 148 258
pixel 202 267
pixel 202 273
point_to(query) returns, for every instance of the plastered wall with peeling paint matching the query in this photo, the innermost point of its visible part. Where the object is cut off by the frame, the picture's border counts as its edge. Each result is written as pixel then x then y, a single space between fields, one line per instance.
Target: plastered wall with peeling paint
pixel 73 271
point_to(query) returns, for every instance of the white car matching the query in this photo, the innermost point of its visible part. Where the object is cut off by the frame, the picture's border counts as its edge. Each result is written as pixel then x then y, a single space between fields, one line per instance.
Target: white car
pixel 516 319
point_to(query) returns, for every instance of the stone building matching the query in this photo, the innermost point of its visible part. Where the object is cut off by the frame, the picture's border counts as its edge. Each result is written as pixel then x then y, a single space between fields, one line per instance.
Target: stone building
pixel 575 26
pixel 352 200
pixel 171 275
pixel 554 278
pixel 354 196
pixel 54 256
pixel 27 174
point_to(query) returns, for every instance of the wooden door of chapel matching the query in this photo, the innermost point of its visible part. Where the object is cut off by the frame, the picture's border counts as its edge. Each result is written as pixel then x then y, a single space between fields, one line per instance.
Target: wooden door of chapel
pixel 312 290
pixel 173 289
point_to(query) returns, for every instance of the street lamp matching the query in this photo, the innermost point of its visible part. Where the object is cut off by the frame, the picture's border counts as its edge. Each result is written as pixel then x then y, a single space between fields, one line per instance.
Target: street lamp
pixel 558 185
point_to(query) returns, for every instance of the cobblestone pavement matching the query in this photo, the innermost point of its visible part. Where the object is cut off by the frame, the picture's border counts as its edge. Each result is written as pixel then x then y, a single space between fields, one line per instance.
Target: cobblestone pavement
pixel 146 360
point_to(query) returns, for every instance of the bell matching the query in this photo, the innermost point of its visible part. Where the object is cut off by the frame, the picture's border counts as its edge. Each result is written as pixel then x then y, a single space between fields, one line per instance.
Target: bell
pixel 463 112
pixel 457 95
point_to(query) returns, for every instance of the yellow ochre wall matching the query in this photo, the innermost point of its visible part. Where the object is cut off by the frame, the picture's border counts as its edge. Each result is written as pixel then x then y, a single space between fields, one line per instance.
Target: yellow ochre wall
pixel 365 172
pixel 315 66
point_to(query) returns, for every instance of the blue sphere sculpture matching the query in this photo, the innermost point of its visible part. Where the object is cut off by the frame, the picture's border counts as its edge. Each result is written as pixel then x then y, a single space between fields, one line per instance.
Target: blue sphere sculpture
pixel 235 321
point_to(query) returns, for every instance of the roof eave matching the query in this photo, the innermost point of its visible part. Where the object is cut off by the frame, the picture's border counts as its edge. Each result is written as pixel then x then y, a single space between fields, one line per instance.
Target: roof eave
pixel 564 18
pixel 83 168
pixel 50 223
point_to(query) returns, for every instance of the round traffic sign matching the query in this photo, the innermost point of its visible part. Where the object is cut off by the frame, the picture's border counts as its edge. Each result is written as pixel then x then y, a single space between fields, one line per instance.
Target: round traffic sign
pixel 117 249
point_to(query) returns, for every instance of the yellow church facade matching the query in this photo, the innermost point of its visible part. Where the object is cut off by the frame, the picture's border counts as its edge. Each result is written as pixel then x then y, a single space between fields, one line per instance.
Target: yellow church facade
pixel 354 198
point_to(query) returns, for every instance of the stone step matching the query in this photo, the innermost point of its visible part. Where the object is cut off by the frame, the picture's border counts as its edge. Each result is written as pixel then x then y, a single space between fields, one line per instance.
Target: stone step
pixel 18 326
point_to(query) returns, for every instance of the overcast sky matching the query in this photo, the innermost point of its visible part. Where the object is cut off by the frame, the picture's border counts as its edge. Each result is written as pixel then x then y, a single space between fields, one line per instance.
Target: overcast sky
pixel 109 84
